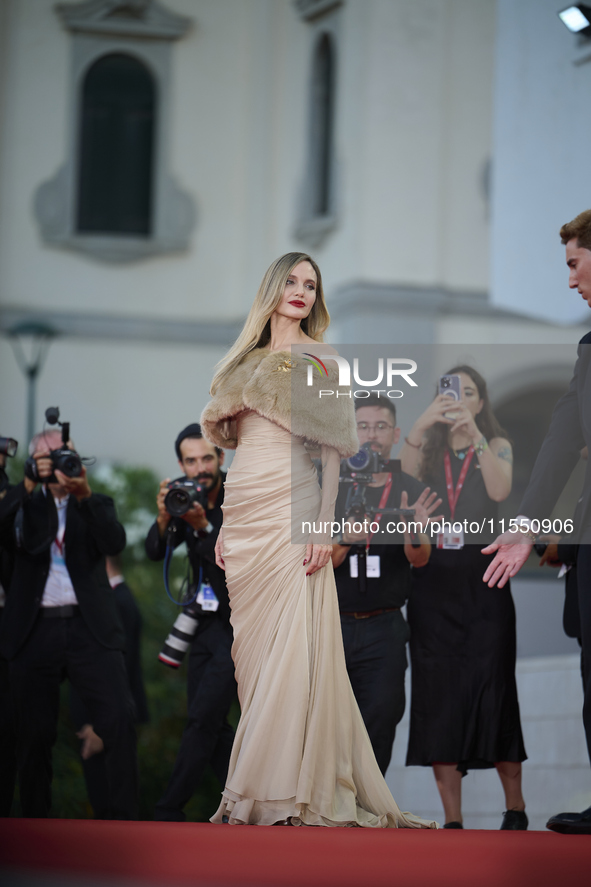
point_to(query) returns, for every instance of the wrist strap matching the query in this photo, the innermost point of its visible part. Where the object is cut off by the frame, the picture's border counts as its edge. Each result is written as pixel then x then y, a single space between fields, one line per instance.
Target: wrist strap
pixel 414 446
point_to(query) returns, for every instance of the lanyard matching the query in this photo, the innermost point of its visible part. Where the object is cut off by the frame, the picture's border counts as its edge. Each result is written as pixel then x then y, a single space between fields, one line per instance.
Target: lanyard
pixel 454 495
pixel 383 500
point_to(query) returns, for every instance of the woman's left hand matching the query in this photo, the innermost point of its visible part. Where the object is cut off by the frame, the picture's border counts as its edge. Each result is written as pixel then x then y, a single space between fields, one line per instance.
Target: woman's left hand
pixel 317 556
pixel 465 421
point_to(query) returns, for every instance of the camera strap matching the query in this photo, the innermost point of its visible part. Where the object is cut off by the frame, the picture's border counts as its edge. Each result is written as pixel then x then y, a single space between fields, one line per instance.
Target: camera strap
pixel 454 495
pixel 166 569
pixel 382 504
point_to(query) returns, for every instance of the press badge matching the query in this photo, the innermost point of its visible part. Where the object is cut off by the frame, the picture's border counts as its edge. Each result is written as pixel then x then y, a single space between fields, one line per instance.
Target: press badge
pixel 451 540
pixel 372 568
pixel 207 599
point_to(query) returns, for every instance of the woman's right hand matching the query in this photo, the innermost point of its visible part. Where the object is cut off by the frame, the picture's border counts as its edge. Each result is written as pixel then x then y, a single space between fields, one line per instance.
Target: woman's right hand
pixel 219 550
pixel 434 413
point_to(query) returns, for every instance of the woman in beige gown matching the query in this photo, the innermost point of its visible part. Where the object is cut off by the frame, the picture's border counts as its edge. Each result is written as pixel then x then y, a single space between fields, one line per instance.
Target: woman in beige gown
pixel 301 755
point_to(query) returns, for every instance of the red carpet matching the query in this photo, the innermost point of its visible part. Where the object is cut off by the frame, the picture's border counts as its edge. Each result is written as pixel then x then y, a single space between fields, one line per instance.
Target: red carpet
pixel 178 854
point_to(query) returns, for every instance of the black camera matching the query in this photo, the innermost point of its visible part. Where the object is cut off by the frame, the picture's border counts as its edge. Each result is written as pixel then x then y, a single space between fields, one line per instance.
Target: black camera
pixel 358 471
pixel 8 447
pixel 182 493
pixel 63 459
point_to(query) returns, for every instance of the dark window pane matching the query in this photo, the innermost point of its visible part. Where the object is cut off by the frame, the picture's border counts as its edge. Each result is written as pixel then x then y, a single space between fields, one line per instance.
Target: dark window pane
pixel 322 124
pixel 116 147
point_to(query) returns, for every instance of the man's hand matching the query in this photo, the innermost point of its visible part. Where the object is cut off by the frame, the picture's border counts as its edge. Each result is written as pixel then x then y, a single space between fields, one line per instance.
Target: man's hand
pixel 44 470
pixel 351 538
pixel 75 486
pixel 513 550
pixel 196 517
pixel 163 518
pixel 317 557
pixel 550 556
pixel 423 507
pixel 92 744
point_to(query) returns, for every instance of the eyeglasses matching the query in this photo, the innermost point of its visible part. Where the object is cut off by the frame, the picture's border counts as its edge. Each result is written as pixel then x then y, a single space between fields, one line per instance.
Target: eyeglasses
pixel 380 427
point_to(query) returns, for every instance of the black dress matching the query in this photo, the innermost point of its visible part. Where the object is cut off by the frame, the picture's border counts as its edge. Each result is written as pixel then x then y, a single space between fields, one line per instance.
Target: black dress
pixel 464 706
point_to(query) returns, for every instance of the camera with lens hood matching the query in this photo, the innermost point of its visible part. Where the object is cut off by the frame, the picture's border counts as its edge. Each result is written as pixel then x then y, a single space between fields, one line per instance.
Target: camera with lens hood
pixel 63 459
pixel 358 471
pixel 182 493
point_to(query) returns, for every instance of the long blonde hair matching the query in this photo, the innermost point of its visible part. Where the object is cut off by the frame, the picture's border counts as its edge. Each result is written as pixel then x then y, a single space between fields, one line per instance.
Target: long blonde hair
pixel 257 328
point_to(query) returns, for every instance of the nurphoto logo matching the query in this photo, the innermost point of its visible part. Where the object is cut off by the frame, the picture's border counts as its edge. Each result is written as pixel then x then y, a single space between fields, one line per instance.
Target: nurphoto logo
pixel 395 367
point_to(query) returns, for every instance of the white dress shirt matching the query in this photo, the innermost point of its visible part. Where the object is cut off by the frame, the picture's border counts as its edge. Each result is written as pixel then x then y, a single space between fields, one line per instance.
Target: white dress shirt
pixel 59 590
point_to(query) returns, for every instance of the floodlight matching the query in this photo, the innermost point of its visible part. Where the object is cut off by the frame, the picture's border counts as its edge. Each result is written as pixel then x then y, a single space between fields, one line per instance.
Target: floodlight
pixel 577 18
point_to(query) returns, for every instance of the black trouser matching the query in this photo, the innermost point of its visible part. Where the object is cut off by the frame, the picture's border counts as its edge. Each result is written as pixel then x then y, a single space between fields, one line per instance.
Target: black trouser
pixel 375 652
pixel 584 594
pixel 7 743
pixel 64 647
pixel 208 737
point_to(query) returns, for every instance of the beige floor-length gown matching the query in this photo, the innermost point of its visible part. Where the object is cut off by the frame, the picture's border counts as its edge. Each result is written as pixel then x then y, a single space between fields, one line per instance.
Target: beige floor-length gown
pixel 301 749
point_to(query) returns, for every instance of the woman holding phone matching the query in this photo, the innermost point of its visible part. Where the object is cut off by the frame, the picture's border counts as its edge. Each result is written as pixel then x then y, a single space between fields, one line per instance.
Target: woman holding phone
pixel 464 708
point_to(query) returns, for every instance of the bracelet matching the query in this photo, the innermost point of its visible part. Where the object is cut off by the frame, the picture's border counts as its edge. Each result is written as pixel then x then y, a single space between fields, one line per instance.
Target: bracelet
pixel 414 446
pixel 526 531
pixel 481 446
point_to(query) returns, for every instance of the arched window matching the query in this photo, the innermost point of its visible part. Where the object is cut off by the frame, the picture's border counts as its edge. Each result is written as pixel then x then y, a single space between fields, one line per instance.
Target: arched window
pixel 117 125
pixel 323 90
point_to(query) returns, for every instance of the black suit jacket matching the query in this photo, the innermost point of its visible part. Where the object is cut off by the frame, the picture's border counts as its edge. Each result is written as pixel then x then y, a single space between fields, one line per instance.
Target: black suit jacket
pixel 569 432
pixel 92 531
pixel 201 550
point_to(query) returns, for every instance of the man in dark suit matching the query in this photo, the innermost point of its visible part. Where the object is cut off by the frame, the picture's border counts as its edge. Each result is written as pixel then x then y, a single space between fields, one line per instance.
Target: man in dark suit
pixel 61 620
pixel 211 686
pixel 92 750
pixel 569 432
pixel 7 744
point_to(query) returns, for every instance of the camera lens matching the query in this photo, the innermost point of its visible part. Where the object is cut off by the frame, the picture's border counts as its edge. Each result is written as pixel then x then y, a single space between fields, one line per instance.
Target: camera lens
pixel 359 461
pixel 68 463
pixel 177 502
pixel 8 446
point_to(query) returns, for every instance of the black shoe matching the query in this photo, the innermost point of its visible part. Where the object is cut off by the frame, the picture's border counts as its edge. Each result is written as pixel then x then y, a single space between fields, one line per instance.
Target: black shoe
pixel 514 820
pixel 453 824
pixel 571 823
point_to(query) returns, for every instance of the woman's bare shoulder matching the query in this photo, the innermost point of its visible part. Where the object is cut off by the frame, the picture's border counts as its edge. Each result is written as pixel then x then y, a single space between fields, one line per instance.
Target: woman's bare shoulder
pixel 326 349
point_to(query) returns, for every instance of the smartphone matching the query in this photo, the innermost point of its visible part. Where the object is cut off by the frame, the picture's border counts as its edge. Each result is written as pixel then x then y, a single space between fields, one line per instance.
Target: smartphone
pixel 451 386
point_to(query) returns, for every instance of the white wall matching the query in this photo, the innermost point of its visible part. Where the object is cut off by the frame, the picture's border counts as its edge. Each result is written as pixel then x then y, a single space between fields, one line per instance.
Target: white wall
pixel 542 132
pixel 125 402
pixel 412 132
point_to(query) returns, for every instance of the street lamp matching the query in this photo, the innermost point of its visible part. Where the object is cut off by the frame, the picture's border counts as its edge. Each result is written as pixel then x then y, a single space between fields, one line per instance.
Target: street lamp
pixel 30 341
pixel 577 18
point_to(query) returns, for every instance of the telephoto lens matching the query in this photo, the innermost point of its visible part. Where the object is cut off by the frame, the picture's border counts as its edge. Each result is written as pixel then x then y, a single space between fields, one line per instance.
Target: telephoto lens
pixel 178 641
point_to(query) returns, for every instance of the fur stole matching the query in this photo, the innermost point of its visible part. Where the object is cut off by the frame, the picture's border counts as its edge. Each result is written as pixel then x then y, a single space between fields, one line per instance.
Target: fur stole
pixel 274 385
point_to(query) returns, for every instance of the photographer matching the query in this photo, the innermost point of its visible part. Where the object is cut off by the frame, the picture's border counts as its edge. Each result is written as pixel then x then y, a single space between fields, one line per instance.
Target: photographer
pixel 7 745
pixel 61 620
pixel 375 632
pixel 205 626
